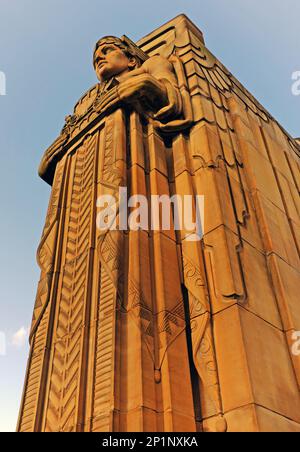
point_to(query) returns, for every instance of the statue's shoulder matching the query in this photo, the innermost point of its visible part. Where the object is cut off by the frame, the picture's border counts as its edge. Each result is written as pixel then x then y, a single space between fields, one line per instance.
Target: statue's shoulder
pixel 159 67
pixel 82 108
pixel 156 61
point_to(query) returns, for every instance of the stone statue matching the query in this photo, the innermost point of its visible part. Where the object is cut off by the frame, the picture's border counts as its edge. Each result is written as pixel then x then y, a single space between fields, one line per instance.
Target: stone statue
pixel 127 77
pixel 145 98
pixel 124 336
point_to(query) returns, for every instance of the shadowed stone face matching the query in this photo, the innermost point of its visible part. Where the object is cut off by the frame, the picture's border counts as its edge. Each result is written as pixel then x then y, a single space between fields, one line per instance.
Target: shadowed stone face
pixel 110 61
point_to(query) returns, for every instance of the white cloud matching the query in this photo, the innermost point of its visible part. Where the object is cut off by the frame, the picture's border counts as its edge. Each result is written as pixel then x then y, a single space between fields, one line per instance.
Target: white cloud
pixel 20 337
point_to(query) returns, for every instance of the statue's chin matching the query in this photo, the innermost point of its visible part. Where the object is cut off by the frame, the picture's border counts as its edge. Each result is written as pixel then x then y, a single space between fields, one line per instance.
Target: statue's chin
pixel 104 75
pixel 105 78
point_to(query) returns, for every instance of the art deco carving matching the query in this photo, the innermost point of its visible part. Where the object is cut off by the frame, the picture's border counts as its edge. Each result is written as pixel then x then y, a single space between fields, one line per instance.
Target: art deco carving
pixel 145 330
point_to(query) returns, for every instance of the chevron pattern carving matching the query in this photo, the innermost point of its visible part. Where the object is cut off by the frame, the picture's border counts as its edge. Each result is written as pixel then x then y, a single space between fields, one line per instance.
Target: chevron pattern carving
pixel 110 275
pixel 33 382
pixel 64 381
pixel 103 378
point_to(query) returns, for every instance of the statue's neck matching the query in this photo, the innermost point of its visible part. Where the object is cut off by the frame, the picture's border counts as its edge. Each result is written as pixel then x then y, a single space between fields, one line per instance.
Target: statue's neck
pixel 109 84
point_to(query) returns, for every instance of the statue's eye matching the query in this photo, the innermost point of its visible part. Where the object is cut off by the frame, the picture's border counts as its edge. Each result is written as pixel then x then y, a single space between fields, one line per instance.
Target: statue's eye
pixel 106 50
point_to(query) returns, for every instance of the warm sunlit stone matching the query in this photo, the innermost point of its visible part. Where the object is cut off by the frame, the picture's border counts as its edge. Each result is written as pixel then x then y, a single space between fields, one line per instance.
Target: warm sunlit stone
pixel 147 330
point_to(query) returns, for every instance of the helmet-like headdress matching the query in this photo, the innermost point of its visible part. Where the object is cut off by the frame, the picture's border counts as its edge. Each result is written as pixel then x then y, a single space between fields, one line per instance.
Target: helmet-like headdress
pixel 125 44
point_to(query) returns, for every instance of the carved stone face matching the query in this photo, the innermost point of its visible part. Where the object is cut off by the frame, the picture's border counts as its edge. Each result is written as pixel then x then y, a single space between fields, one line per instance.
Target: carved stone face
pixel 110 61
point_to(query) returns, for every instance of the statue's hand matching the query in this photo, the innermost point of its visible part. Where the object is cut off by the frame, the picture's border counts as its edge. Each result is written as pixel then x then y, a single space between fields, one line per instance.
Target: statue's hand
pixel 134 90
pixel 143 86
pixel 174 106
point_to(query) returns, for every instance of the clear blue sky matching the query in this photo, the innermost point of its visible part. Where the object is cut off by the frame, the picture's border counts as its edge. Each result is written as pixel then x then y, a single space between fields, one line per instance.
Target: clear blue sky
pixel 45 52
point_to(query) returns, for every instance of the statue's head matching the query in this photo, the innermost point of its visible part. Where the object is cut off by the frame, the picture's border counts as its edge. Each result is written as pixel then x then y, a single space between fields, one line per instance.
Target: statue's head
pixel 114 56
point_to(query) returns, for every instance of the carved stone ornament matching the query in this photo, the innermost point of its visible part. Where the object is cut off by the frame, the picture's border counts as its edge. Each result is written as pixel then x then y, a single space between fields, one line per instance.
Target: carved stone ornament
pixel 143 330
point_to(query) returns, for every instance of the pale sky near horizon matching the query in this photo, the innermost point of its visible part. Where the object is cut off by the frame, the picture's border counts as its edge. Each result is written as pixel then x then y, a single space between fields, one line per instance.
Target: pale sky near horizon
pixel 46 55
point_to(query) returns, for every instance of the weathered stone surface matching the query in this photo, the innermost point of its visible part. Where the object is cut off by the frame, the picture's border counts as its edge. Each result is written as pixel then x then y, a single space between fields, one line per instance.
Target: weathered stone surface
pixel 285 281
pixel 254 357
pixel 253 418
pixel 271 371
pixel 234 373
pixel 276 231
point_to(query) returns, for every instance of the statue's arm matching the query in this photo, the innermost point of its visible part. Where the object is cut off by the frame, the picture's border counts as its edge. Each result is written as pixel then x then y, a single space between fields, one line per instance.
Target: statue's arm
pixel 50 158
pixel 162 70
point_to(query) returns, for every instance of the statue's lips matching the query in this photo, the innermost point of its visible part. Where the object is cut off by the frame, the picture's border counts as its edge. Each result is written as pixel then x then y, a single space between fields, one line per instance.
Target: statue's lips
pixel 100 65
